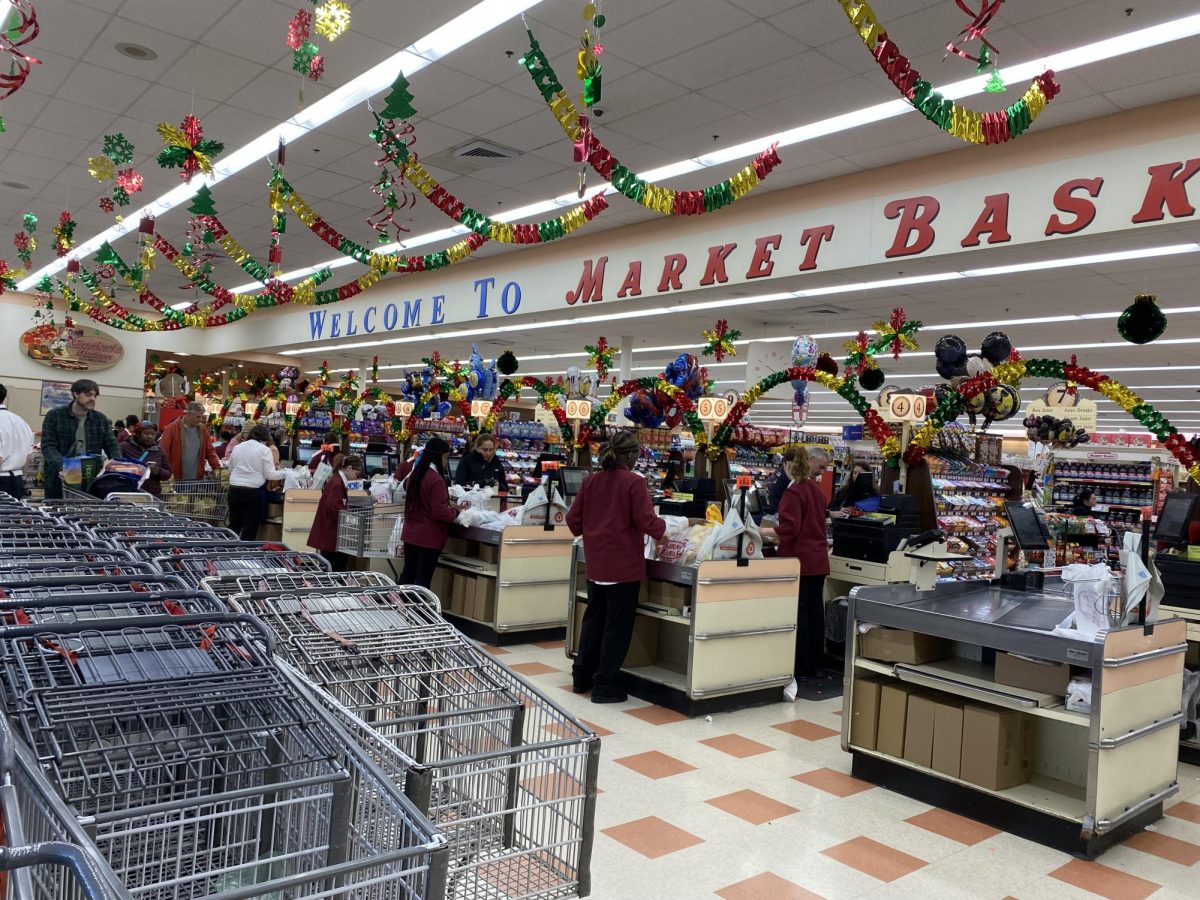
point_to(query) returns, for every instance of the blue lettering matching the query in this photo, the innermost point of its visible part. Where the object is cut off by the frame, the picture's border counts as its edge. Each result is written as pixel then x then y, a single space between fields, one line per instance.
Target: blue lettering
pixel 350 329
pixel 335 328
pixel 511 288
pixel 438 316
pixel 412 312
pixel 316 324
pixel 482 286
pixel 390 314
pixel 368 315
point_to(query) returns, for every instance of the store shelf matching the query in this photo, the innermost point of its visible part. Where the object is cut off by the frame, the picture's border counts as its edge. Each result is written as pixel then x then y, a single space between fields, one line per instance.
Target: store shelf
pixel 1147 482
pixel 659 675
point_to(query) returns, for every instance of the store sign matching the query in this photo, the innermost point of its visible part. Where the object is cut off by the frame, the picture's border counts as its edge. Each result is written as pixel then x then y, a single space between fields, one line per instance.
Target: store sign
pixel 73 349
pixel 579 409
pixel 1082 413
pixel 712 409
pixel 53 395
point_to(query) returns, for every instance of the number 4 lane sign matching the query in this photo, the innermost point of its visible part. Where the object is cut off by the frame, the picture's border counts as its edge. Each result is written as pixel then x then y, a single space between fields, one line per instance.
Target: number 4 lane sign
pixel 907 407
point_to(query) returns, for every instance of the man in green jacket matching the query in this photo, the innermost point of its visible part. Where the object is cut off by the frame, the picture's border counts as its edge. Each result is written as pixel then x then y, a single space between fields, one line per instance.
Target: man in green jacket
pixel 75 430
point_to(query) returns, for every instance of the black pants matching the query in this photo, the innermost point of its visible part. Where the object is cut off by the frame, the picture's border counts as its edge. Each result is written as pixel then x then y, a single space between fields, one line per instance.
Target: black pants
pixel 247 509
pixel 810 626
pixel 338 561
pixel 13 485
pixel 605 635
pixel 419 563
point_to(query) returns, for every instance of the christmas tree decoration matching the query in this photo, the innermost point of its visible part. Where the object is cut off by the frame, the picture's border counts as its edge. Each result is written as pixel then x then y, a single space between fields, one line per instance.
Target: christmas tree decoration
pixel 203 204
pixel 976 30
pixel 995 83
pixel 64 233
pixel 332 19
pixel 719 341
pixel 12 39
pixel 187 148
pixel 601 356
pixel 1142 321
pixel 399 100
pixel 963 123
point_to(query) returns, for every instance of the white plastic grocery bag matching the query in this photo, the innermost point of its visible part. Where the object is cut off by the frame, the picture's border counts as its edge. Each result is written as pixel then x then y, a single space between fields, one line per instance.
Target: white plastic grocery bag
pixel 321 475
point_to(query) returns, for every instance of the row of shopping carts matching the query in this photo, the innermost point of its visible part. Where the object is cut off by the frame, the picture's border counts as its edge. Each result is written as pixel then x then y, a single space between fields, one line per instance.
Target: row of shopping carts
pixel 206 499
pixel 202 717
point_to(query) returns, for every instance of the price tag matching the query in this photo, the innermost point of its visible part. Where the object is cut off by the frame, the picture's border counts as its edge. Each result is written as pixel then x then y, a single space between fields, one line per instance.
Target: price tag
pixel 745 482
pixel 480 408
pixel 712 409
pixel 907 407
pixel 579 409
pixel 550 465
pixel 405 408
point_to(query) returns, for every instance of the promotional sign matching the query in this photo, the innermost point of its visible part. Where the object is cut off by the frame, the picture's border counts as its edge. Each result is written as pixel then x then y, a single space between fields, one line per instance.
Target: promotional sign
pixel 53 395
pixel 405 408
pixel 1082 413
pixel 903 406
pixel 73 349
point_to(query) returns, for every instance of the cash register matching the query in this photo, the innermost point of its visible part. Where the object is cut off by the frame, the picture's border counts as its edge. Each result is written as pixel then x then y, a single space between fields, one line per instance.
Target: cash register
pixel 1180 575
pixel 873 536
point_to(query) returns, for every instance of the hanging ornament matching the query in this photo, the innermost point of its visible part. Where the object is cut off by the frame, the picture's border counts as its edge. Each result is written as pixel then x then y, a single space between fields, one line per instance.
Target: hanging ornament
pixel 107 205
pixel 995 84
pixel 101 168
pixel 187 148
pixel 118 148
pixel 507 363
pixel 25 241
pixel 299 29
pixel 12 39
pixel 129 181
pixel 601 356
pixel 872 379
pixel 897 333
pixel 398 102
pixel 332 19
pixel 976 30
pixel 1142 321
pixel 64 233
pixel 720 341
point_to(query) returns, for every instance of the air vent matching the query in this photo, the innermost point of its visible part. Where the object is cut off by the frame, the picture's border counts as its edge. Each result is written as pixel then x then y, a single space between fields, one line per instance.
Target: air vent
pixel 483 151
pixel 824 311
pixel 471 157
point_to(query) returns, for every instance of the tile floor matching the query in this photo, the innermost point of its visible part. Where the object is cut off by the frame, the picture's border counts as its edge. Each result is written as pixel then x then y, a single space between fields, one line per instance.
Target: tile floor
pixel 759 805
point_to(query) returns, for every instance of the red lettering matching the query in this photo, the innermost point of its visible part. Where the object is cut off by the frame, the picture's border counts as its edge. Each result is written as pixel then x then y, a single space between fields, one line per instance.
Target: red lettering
pixel 762 265
pixel 993 222
pixel 1065 201
pixel 714 270
pixel 916 215
pixel 591 283
pixel 632 284
pixel 810 240
pixel 673 266
pixel 1168 187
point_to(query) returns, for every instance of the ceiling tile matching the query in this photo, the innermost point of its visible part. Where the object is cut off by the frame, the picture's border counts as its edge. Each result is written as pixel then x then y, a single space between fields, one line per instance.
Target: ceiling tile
pixel 185 20
pixel 659 122
pixel 71 118
pixel 742 51
pixel 491 109
pixel 679 26
pixel 212 73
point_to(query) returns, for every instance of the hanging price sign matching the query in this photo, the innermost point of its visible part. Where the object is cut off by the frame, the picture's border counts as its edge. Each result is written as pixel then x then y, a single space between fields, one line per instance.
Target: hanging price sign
pixel 745 482
pixel 712 409
pixel 480 408
pixel 579 409
pixel 405 408
pixel 905 406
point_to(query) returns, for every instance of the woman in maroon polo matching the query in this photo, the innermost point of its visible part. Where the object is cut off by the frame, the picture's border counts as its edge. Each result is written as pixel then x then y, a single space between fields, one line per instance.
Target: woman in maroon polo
pixel 801 532
pixel 612 511
pixel 427 514
pixel 322 537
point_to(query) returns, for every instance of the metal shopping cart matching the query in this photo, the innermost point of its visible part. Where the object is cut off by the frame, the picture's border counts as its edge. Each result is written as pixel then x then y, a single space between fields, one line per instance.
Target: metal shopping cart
pixel 202 769
pixel 137 498
pixel 208 499
pixel 50 585
pixel 45 855
pixel 507 774
pixel 366 531
pixel 178 535
pixel 23 557
pixel 195 567
pixel 225 586
pixel 80 608
pixel 36 567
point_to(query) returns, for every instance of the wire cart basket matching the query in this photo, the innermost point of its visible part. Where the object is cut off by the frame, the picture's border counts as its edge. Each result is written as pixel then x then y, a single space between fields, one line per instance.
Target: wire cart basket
pixel 504 772
pixel 226 586
pixel 77 608
pixel 35 568
pixel 136 498
pixel 201 769
pixel 193 568
pixel 366 531
pixel 24 557
pixel 208 499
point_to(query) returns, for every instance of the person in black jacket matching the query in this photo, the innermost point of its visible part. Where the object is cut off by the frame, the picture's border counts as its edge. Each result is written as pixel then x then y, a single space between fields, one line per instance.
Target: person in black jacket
pixel 779 481
pixel 481 466
pixel 1083 502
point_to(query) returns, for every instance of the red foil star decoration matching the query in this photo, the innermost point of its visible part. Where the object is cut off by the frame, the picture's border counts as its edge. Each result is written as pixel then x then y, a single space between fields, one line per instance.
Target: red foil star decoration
pixel 106 204
pixel 129 181
pixel 299 29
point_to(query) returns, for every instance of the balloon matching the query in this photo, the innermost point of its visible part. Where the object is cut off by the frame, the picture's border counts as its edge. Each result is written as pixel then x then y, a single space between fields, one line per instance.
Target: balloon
pixel 1006 402
pixel 643 409
pixel 996 347
pixel 805 352
pixel 951 350
pixel 481 379
pixel 977 365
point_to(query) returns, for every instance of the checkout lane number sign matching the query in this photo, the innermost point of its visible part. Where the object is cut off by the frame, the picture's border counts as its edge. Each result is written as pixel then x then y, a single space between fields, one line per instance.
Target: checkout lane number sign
pixel 712 409
pixel 907 407
pixel 579 409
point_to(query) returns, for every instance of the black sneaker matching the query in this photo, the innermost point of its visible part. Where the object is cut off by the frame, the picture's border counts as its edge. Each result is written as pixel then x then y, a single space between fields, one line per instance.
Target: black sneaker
pixel 609 698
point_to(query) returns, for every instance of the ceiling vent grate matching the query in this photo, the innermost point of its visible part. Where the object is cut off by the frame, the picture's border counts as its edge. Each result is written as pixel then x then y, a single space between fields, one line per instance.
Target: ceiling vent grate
pixel 482 151
pixel 825 311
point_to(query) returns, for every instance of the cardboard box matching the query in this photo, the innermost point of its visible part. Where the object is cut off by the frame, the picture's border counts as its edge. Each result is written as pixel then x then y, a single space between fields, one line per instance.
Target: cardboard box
pixel 464 587
pixel 948 736
pixel 442 584
pixel 1040 675
pixel 893 710
pixel 995 747
pixel 489 553
pixel 864 711
pixel 918 730
pixel 643 648
pixel 455 546
pixel 484 600
pixel 898 645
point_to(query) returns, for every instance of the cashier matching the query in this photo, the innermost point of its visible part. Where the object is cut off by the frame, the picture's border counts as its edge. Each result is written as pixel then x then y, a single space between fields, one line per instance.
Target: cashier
pixel 1083 503
pixel 481 466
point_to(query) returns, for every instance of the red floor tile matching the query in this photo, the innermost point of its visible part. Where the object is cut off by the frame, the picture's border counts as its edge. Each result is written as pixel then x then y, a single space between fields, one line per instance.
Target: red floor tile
pixel 1184 853
pixel 736 745
pixel 957 828
pixel 560 731
pixel 810 731
pixel 535 668
pixel 767 886
pixel 600 732
pixel 833 782
pixel 656 715
pixel 1109 883
pixel 652 837
pixel 875 859
pixel 655 765
pixel 570 689
pixel 551 645
pixel 494 651
pixel 1185 810
pixel 752 807
pixel 554 786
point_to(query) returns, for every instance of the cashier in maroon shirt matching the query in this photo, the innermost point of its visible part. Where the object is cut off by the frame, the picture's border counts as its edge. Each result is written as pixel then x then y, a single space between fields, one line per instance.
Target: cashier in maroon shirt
pixel 613 512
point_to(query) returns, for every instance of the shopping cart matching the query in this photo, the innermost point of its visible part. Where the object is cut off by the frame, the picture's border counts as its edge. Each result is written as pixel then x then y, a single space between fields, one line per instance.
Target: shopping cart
pixel 154 548
pixel 54 585
pixel 33 568
pixel 366 531
pixel 83 608
pixel 47 541
pixel 138 498
pixel 226 586
pixel 47 854
pixel 180 535
pixel 195 567
pixel 207 499
pixel 202 769
pixel 23 557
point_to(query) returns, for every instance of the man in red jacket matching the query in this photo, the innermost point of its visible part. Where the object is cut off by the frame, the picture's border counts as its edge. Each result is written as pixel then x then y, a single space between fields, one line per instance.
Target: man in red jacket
pixel 188 445
pixel 612 511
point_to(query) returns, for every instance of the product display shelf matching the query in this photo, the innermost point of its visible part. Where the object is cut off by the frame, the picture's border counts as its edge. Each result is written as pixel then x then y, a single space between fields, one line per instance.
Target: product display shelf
pixel 507 586
pixel 1088 779
pixel 708 636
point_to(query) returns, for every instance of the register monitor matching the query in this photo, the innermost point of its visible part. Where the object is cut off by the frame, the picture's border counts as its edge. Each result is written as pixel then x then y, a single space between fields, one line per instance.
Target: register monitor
pixel 1175 518
pixel 733 498
pixel 304 454
pixel 572 478
pixel 1028 526
pixel 374 462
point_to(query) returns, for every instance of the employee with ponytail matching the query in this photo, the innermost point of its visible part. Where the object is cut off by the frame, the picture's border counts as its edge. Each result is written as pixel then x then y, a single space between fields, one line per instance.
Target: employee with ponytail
pixel 612 511
pixel 427 514
pixel 322 537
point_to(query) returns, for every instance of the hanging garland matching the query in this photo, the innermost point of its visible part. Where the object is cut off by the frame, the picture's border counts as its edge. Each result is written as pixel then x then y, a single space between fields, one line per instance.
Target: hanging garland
pixel 650 195
pixel 11 41
pixel 965 124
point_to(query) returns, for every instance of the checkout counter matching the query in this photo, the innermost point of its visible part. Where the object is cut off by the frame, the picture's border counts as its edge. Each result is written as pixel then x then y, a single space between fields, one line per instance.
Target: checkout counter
pixel 954 694
pixel 865 548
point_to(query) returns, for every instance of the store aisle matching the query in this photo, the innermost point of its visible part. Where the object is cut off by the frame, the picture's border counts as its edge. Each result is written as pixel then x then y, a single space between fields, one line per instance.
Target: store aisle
pixel 757 805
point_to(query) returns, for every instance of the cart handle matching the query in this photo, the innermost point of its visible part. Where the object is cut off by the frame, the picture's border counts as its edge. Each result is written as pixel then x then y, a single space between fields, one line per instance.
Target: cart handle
pixel 58 853
pixel 140 622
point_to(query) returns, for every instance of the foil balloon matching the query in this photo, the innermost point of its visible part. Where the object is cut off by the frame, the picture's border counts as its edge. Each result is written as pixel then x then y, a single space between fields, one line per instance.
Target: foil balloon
pixel 643 409
pixel 481 379
pixel 578 384
pixel 805 354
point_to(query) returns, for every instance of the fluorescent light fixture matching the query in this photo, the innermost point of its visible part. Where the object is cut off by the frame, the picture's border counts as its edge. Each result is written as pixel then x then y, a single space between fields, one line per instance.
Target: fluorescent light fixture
pixel 459 31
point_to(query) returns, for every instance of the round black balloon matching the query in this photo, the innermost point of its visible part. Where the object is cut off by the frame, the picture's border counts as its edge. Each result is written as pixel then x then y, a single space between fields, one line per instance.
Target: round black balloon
pixel 951 349
pixel 996 347
pixel 871 380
